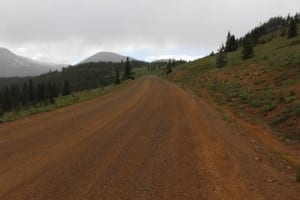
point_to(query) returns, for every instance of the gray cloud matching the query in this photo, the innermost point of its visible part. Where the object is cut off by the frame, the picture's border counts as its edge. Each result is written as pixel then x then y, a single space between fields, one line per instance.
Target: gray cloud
pixel 69 30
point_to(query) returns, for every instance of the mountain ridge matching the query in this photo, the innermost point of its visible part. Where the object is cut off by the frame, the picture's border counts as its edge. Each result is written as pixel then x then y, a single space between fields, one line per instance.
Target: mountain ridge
pixel 13 65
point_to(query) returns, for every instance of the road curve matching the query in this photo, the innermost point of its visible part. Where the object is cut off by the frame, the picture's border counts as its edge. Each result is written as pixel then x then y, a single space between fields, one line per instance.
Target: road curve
pixel 148 140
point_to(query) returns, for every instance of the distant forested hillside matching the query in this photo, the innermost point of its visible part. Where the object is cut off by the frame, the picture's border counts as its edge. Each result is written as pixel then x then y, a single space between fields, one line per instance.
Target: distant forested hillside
pixel 16 93
pixel 81 77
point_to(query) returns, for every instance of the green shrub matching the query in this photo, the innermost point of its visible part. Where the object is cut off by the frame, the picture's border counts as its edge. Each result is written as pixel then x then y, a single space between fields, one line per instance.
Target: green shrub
pixel 219 100
pixel 289 99
pixel 269 107
pixel 281 97
pixel 280 118
pixel 256 103
pixel 245 96
pixel 221 58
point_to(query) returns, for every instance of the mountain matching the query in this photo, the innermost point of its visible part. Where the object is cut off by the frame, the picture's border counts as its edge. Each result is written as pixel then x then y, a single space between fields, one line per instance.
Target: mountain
pixel 163 60
pixel 12 65
pixel 106 57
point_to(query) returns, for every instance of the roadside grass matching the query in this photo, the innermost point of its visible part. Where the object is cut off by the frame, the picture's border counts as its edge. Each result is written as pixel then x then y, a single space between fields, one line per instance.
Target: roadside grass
pixel 233 91
pixel 60 102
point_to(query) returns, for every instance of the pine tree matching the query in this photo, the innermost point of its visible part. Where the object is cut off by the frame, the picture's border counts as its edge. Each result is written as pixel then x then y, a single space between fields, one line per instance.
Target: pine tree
pixel 6 99
pixel 1 103
pixel 41 93
pixel 234 43
pixel 128 73
pixel 15 96
pixel 31 92
pixel 169 67
pixel 1 112
pixel 227 44
pixel 25 94
pixel 55 90
pixel 292 31
pixel 66 89
pixel 51 92
pixel 221 58
pixel 117 82
pixel 247 48
pixel 231 43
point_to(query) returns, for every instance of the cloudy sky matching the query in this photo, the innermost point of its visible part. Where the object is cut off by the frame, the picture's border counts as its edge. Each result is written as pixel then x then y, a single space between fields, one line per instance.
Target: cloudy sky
pixel 66 31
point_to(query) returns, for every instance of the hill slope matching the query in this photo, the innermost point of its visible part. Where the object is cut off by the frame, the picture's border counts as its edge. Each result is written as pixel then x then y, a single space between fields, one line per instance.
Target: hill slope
pixel 12 65
pixel 265 88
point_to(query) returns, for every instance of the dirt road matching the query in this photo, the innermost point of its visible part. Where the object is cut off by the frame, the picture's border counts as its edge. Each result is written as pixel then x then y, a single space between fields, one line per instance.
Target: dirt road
pixel 148 140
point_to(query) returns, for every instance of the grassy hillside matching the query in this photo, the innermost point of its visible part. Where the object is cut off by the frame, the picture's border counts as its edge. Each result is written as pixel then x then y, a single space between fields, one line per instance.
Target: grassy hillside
pixel 265 87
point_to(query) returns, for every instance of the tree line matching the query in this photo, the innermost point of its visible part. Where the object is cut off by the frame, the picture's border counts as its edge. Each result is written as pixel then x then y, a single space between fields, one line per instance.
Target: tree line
pixel 288 27
pixel 15 97
pixel 42 90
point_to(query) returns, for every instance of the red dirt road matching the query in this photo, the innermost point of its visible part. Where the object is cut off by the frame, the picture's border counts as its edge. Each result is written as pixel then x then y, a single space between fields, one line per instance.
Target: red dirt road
pixel 149 140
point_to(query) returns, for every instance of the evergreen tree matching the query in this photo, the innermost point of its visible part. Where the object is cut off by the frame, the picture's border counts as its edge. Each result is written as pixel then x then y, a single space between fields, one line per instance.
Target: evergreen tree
pixel 31 92
pixel 1 103
pixel 221 58
pixel 231 43
pixel 41 93
pixel 247 48
pixel 1 112
pixel 283 32
pixel 128 73
pixel 51 92
pixel 15 96
pixel 66 89
pixel 54 90
pixel 289 18
pixel 292 31
pixel 169 67
pixel 173 63
pixel 234 43
pixel 25 94
pixel 117 82
pixel 297 17
pixel 7 105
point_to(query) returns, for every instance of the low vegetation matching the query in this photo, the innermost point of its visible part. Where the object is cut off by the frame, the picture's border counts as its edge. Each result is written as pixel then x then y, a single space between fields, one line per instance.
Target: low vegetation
pixel 259 79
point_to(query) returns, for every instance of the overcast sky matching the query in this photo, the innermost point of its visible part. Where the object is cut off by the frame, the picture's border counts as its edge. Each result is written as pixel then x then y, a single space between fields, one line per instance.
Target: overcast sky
pixel 66 31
